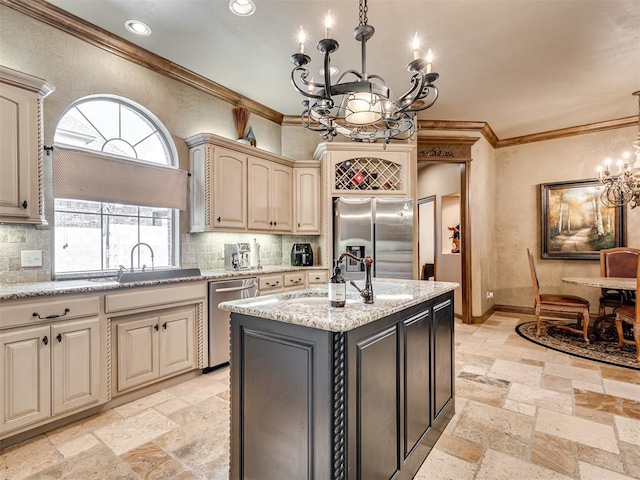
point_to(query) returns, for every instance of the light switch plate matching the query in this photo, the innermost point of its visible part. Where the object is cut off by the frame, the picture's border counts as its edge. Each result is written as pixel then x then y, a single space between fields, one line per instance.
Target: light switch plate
pixel 31 258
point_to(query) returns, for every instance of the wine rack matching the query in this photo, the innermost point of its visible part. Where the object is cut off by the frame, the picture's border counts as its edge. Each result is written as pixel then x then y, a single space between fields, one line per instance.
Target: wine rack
pixel 367 173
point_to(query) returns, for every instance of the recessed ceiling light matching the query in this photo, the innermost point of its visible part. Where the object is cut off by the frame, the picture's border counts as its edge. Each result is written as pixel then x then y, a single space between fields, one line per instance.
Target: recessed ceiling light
pixel 333 71
pixel 242 7
pixel 138 27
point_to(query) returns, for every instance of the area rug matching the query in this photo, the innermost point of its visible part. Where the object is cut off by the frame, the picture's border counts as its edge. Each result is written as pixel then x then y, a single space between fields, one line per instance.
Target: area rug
pixel 604 351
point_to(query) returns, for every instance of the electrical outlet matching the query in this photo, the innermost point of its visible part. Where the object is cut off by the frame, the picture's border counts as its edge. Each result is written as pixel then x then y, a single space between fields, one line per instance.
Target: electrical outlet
pixel 31 258
pixel 489 295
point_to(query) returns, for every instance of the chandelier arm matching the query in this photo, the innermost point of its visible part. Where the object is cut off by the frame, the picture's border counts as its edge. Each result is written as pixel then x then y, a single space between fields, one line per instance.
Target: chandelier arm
pixel 426 105
pixel 353 72
pixel 304 73
pixel 417 86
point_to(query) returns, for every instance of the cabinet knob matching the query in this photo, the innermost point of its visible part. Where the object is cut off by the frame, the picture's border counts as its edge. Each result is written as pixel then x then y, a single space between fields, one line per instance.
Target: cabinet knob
pixel 218 219
pixel 59 337
pixel 156 327
pixel 164 325
pixel 45 340
pixel 298 224
pixel 271 223
pixel 275 223
pixel 24 204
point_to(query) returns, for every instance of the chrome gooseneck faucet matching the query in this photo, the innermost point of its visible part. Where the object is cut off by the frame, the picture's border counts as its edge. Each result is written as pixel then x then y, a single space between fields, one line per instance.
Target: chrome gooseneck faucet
pixel 367 292
pixel 138 245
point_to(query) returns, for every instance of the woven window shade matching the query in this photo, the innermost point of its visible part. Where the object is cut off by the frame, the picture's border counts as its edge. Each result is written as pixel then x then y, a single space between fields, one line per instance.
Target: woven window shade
pixel 99 177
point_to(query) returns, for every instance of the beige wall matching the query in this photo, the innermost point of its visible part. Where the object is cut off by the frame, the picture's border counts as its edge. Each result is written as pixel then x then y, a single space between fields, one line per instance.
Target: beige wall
pixel 518 172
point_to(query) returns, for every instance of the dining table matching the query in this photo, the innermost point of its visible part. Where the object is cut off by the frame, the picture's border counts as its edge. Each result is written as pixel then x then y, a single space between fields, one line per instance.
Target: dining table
pixel 609 283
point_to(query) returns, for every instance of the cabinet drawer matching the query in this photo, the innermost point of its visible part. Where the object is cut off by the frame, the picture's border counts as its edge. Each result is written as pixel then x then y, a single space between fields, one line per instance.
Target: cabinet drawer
pixel 270 283
pixel 153 297
pixel 295 280
pixel 319 277
pixel 48 310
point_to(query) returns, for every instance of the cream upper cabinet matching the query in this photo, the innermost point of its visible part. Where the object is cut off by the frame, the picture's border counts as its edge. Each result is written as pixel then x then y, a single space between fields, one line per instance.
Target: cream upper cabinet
pixel 307 200
pixel 229 189
pixel 218 187
pixel 270 196
pixel 21 147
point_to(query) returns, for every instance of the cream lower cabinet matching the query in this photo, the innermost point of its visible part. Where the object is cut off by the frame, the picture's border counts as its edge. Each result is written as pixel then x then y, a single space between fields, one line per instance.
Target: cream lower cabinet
pixel 46 371
pixel 270 198
pixel 152 346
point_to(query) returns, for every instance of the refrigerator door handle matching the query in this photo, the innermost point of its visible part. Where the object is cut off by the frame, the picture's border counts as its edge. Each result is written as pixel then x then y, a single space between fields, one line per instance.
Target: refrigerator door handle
pixel 373 248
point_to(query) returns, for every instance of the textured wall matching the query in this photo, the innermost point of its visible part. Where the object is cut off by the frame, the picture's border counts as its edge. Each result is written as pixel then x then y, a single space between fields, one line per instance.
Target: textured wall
pixel 519 171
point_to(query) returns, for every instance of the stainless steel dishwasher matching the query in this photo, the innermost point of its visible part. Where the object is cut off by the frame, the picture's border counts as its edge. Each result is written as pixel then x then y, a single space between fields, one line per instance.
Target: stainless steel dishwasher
pixel 219 323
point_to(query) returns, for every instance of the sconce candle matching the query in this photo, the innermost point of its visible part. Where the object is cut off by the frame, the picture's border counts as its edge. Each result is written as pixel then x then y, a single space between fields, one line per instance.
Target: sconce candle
pixel 328 23
pixel 416 47
pixel 429 60
pixel 301 39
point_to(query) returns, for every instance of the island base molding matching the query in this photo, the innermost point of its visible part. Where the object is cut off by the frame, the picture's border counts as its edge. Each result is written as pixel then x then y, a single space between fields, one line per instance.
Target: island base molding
pixel 366 403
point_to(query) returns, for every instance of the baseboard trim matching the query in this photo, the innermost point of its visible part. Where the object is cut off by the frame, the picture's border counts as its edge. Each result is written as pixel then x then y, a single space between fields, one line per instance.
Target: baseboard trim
pixel 483 317
pixel 530 311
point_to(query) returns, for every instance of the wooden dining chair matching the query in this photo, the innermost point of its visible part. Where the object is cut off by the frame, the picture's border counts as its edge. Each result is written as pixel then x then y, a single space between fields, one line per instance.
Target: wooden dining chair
pixel 617 262
pixel 556 303
pixel 630 314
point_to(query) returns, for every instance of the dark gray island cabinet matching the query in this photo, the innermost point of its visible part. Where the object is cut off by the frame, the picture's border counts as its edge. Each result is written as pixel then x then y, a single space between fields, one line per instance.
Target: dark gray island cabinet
pixel 361 392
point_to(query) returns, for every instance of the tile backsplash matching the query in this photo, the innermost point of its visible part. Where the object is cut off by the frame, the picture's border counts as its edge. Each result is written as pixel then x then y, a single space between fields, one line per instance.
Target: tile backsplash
pixel 203 250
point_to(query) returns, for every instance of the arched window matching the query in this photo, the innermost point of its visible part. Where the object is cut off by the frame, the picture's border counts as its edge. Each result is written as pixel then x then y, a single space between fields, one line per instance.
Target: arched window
pixel 116 184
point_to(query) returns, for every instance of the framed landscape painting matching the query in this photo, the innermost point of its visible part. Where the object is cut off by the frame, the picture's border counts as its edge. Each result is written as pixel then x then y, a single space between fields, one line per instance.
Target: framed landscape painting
pixel 575 222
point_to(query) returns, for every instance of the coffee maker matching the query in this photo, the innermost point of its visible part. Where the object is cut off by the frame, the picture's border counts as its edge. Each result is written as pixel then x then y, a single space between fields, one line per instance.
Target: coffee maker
pixel 236 256
pixel 301 255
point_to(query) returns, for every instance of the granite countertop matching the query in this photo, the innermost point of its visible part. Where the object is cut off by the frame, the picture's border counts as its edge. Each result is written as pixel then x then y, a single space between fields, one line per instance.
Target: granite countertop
pixel 59 287
pixel 311 308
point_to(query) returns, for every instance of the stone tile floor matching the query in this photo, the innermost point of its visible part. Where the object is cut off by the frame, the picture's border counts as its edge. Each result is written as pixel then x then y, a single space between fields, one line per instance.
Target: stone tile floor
pixel 522 412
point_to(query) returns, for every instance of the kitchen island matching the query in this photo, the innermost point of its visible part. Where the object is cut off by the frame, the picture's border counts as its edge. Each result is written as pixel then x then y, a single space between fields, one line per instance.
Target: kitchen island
pixel 358 392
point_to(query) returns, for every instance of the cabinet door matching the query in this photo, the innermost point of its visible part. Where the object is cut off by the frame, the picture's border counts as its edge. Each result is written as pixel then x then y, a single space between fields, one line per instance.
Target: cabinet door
pixel 177 341
pixel 230 189
pixel 25 377
pixel 19 196
pixel 282 197
pixel 259 194
pixel 137 351
pixel 307 200
pixel 442 356
pixel 75 364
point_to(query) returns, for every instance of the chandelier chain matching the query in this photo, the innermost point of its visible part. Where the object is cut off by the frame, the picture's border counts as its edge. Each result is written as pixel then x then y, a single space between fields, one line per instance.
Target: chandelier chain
pixel 364 9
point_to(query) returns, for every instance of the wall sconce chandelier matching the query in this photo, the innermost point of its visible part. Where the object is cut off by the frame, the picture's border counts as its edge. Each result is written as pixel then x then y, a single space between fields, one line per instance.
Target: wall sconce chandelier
pixel 623 187
pixel 362 108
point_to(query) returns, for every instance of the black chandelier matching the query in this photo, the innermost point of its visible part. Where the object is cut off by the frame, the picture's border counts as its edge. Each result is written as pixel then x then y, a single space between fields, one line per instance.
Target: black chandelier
pixel 362 108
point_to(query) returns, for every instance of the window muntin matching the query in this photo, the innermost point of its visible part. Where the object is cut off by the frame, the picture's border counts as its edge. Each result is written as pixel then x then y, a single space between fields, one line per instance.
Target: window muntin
pixel 92 237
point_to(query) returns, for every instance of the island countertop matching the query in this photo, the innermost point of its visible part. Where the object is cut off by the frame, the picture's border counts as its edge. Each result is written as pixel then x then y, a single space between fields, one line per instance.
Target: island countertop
pixel 311 308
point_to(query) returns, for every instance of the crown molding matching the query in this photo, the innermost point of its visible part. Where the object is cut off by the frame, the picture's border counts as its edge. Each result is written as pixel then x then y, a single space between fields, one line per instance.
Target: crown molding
pixel 571 131
pixel 94 35
pixel 482 128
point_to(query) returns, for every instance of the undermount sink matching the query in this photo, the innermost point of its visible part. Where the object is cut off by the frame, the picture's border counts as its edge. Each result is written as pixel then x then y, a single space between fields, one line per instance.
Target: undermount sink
pixel 129 277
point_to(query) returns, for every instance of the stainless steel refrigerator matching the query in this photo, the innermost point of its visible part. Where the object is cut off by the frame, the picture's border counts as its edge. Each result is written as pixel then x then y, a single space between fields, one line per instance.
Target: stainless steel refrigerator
pixel 379 227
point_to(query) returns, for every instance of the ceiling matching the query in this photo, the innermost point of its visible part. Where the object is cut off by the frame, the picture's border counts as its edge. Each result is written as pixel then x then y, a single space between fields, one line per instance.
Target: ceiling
pixel 522 66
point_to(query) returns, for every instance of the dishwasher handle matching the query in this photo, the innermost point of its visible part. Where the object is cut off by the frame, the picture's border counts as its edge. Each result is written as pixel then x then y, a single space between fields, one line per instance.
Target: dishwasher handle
pixel 234 289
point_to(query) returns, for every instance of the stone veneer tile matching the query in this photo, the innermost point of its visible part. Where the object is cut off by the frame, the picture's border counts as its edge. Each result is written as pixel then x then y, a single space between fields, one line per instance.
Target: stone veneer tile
pixel 573 373
pixel 134 431
pixel 22 460
pixel 577 429
pixel 496 382
pixel 554 453
pixel 631 458
pixel 442 466
pixel 97 463
pixel 499 466
pixel 480 392
pixel 541 397
pixel 620 374
pixel 171 406
pixel 516 372
pixel 607 403
pixel 496 428
pixel 628 430
pixel 600 458
pixel 519 407
pixel 621 389
pixel 559 384
pixel 460 447
pixel 78 445
pixel 592 472
pixel 593 387
pixel 150 461
pixel 595 415
pixel 136 406
pixel 67 433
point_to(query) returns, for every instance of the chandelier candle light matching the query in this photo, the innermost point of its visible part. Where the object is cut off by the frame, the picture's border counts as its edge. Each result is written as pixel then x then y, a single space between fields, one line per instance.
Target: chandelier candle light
pixel 623 186
pixel 364 108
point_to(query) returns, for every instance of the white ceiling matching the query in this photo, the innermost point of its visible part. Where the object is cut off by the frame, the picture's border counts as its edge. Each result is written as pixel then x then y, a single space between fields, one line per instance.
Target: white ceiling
pixel 523 66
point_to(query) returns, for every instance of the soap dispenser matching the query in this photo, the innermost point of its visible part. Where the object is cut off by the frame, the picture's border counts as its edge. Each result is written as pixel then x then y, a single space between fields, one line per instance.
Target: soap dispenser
pixel 337 287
